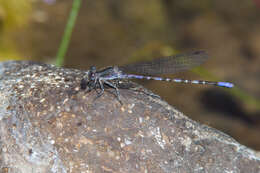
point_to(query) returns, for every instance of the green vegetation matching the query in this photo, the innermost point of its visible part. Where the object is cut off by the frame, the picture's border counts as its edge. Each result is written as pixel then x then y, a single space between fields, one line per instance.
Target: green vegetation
pixel 13 14
pixel 67 33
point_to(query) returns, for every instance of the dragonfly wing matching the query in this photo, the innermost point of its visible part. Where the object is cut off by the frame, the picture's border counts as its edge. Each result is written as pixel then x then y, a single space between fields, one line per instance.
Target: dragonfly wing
pixel 167 65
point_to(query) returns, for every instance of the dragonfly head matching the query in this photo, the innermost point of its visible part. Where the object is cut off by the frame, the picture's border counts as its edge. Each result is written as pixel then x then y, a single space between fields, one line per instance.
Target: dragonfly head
pixel 92 73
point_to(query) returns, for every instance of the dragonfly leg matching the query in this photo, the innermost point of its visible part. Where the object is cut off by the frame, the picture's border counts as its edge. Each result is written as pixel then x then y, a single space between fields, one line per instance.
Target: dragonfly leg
pixel 113 86
pixel 102 89
pixel 146 92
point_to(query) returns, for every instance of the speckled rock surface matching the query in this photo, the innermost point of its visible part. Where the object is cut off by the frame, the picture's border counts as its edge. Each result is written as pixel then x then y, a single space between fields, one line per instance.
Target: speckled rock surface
pixel 48 124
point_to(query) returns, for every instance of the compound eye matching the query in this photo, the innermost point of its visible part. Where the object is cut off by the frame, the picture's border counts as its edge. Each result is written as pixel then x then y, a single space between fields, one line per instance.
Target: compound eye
pixel 93 68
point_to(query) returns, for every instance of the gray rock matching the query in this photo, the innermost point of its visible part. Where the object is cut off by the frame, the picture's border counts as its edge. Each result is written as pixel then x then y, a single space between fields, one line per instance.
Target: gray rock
pixel 48 124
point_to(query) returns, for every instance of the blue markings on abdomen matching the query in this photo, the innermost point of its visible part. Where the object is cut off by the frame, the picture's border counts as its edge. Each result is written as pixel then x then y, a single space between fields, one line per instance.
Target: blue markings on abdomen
pixel 221 84
pixel 225 84
pixel 134 76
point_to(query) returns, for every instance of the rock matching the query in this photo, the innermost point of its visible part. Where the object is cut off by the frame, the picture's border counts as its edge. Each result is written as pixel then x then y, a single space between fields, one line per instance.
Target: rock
pixel 49 124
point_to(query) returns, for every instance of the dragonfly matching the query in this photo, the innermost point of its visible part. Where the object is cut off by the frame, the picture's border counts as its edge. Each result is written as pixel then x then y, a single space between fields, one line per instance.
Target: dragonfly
pixel 148 70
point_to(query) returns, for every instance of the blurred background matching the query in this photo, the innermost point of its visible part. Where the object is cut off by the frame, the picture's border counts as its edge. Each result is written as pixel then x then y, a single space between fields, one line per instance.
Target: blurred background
pixel 118 32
